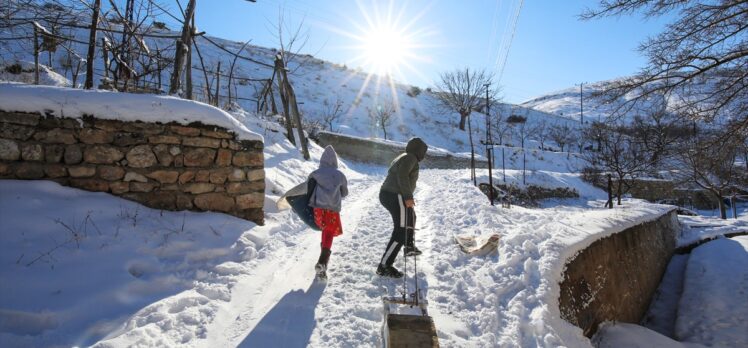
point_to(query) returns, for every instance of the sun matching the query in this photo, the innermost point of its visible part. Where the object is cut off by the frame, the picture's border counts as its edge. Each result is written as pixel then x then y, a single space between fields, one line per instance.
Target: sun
pixel 385 49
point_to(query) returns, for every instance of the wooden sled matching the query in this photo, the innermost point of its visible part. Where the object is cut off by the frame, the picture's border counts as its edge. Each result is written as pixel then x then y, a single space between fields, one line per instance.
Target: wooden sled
pixel 478 245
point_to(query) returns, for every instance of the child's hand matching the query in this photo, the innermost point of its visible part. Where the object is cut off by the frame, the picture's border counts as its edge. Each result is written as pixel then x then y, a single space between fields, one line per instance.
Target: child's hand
pixel 409 203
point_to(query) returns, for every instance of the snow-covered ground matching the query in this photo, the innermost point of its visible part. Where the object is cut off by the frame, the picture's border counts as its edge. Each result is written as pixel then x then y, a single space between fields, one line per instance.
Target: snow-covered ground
pixel 158 285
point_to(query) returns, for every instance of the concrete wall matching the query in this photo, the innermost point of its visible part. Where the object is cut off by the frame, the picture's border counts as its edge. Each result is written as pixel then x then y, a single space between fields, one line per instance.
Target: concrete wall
pixel 615 278
pixel 367 151
pixel 163 166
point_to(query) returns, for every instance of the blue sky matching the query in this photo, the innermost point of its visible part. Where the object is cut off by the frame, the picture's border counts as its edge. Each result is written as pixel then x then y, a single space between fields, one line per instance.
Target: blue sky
pixel 551 48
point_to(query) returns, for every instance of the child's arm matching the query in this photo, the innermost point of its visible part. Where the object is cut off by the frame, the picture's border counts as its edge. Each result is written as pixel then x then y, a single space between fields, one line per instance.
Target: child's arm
pixel 344 187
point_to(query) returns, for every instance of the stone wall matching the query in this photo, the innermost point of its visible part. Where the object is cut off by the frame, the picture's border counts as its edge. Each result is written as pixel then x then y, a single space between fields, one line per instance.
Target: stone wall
pixel 162 166
pixel 368 151
pixel 615 278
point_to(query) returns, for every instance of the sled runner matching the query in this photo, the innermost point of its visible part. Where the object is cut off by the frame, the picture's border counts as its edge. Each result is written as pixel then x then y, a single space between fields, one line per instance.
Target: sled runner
pixel 478 245
pixel 297 199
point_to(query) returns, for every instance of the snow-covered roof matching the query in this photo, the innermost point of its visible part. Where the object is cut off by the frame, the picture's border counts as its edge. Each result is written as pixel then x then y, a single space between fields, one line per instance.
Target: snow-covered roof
pixel 76 103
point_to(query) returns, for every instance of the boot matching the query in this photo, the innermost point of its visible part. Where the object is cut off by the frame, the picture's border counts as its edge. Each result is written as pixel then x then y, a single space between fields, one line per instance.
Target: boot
pixel 321 267
pixel 411 250
pixel 388 271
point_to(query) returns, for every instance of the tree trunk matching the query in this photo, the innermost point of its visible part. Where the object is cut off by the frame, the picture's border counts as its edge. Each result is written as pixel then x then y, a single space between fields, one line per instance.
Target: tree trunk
pixel 188 71
pixel 36 56
pixel 721 202
pixel 92 45
pixel 463 118
pixel 472 150
pixel 291 96
pixel 183 46
pixel 619 185
pixel 218 84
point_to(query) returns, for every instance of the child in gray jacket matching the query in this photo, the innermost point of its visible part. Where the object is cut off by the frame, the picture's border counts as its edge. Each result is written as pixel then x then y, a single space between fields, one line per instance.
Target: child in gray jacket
pixel 331 186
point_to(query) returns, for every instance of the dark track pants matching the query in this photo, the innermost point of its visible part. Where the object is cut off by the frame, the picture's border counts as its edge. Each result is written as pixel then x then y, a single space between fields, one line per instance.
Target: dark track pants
pixel 403 219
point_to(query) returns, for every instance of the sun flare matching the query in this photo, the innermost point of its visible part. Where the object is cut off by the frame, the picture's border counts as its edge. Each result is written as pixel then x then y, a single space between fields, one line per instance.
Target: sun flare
pixel 385 49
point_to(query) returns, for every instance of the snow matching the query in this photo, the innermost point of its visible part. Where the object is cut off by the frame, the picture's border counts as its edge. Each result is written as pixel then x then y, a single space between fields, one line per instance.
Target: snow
pixel 713 310
pixel 76 103
pixel 624 335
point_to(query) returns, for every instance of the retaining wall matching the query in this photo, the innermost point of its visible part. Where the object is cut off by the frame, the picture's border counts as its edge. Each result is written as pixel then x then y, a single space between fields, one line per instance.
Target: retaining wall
pixel 368 151
pixel 615 278
pixel 163 166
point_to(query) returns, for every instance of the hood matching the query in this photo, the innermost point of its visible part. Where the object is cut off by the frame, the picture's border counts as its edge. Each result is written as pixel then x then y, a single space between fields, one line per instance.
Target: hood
pixel 329 158
pixel 417 147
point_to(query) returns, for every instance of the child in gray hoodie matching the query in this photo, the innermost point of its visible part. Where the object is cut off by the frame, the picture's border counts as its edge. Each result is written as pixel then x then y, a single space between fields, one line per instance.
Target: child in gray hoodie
pixel 331 186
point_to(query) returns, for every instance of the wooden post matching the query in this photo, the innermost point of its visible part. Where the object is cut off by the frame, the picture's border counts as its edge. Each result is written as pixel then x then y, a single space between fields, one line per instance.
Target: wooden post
pixel 92 45
pixel 609 203
pixel 295 109
pixel 188 71
pixel 182 48
pixel 279 67
pixel 218 82
pixel 36 55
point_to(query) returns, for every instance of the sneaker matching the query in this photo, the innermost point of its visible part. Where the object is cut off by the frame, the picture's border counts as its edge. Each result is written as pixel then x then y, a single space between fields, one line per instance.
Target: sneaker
pixel 411 250
pixel 388 271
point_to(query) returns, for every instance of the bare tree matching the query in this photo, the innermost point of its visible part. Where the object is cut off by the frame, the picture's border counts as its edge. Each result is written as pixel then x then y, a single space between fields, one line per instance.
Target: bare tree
pixel 700 58
pixel 381 115
pixel 92 45
pixel 523 131
pixel 540 129
pixel 709 162
pixel 561 135
pixel 619 154
pixel 462 91
pixel 332 111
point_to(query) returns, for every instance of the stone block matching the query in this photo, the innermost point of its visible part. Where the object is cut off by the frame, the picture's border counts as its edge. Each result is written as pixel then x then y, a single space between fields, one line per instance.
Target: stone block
pixel 133 176
pixel 202 142
pixel 164 176
pixel 4 169
pixel 255 174
pixel 250 200
pixel 182 130
pixel 186 177
pixel 119 187
pixel 17 132
pixel 223 158
pixel 245 187
pixel 53 153
pixel 30 170
pixel 237 175
pixel 175 150
pixel 199 157
pixel 164 139
pixel 58 136
pixel 73 154
pixel 111 173
pixel 9 150
pixel 95 136
pixel 141 156
pixel 256 215
pixel 141 186
pixel 214 202
pixel 162 154
pixel 161 200
pixel 219 176
pixel 108 125
pixel 248 159
pixel 54 171
pixel 202 176
pixel 90 184
pixel 149 128
pixel 32 152
pixel 129 139
pixel 219 134
pixel 19 118
pixel 184 202
pixel 82 171
pixel 198 188
pixel 102 154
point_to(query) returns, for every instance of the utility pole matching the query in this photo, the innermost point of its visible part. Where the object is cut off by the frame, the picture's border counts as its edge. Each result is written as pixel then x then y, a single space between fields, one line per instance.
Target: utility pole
pixel 489 145
pixel 581 104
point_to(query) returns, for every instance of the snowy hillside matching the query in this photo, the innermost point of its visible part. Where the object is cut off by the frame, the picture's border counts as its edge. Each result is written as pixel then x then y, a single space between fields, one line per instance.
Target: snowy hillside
pixel 317 83
pixel 568 103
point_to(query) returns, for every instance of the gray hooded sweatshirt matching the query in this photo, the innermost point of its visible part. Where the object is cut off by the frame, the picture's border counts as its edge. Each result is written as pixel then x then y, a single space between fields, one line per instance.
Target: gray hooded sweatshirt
pixel 332 185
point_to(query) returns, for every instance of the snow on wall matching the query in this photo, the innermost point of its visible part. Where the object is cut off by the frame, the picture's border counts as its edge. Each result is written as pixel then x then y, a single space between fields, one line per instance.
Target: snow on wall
pixel 614 278
pixel 76 103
